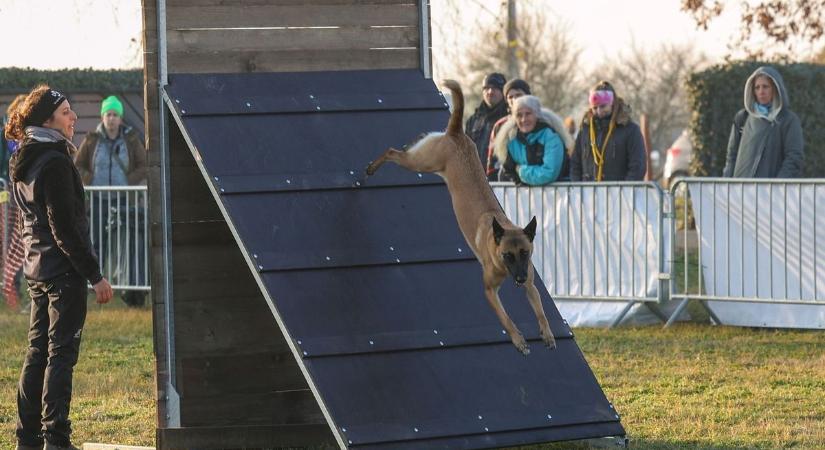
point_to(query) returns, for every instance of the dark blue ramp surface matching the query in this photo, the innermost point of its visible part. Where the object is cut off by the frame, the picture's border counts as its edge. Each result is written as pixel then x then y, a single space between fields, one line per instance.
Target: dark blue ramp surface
pixel 371 280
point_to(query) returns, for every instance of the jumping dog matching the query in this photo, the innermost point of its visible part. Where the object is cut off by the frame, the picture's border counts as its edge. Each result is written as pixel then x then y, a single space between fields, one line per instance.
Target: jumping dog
pixel 501 247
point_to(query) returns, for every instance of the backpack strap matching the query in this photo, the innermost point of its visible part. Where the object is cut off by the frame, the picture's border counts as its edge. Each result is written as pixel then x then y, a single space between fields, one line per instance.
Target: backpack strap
pixel 740 118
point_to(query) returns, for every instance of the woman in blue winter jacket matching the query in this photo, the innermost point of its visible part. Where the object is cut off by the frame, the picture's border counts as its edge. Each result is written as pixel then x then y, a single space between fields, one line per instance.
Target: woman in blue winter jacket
pixel 532 144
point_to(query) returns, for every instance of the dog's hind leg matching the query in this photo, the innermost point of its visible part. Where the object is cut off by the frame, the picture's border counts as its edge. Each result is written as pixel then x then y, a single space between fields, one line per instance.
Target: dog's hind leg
pixel 417 159
pixel 515 335
pixel 535 302
pixel 391 154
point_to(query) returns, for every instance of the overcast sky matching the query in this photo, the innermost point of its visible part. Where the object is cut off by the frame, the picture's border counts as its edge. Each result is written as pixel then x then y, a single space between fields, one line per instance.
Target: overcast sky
pixel 106 33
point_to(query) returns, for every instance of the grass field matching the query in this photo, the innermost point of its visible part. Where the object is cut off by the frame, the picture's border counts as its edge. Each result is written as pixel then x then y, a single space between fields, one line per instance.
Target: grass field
pixel 692 386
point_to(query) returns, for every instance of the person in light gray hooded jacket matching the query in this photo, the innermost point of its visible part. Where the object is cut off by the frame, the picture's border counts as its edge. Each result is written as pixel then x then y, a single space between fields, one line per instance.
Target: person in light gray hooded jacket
pixel 766 138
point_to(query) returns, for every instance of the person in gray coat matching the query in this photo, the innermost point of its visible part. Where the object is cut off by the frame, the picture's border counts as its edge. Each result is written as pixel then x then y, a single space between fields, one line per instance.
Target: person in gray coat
pixel 766 138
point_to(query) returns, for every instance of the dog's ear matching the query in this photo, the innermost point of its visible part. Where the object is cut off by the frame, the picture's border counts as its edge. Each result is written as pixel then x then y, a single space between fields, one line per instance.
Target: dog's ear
pixel 530 229
pixel 498 231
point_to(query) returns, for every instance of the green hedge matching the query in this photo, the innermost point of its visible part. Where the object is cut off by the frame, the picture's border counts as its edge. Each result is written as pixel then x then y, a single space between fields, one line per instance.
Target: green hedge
pixel 715 95
pixel 16 79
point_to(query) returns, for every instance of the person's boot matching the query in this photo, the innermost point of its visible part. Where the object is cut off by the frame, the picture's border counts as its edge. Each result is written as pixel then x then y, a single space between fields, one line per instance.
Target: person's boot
pixel 50 446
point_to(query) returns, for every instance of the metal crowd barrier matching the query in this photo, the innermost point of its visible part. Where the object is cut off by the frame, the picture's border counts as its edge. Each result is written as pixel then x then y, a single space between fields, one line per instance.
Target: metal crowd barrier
pixel 755 241
pixel 120 234
pixel 596 241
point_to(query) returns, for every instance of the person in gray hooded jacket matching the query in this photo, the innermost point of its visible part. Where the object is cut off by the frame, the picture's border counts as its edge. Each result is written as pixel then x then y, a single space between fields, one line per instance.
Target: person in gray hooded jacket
pixel 766 138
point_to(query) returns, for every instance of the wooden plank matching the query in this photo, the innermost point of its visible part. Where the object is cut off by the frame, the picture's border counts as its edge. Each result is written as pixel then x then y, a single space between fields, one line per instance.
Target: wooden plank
pixel 154 192
pixel 179 152
pixel 291 60
pixel 345 15
pixel 191 199
pixel 228 325
pixel 207 272
pixel 214 283
pixel 295 407
pixel 156 267
pixel 218 375
pixel 349 38
pixel 94 446
pixel 159 323
pixel 316 436
pixel 246 3
pixel 198 233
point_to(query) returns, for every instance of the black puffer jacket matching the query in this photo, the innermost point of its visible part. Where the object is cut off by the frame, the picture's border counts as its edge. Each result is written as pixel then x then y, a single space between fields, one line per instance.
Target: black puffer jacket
pixel 55 230
pixel 480 125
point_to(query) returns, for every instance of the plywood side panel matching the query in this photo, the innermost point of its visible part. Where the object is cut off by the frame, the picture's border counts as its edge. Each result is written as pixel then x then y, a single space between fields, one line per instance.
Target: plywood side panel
pixel 304 15
pixel 292 60
pixel 248 3
pixel 222 326
pixel 256 39
pixel 261 436
pixel 210 272
pixel 295 407
pixel 218 375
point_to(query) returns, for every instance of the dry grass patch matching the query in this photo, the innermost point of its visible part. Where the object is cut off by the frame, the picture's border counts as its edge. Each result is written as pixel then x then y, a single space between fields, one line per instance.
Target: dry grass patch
pixel 691 386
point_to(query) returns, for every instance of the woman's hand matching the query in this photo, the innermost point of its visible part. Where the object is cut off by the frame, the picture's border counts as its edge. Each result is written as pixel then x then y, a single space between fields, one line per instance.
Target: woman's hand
pixel 103 291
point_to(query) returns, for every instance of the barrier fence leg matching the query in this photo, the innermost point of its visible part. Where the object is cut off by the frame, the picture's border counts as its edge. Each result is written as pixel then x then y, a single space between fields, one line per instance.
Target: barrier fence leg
pixel 713 318
pixel 676 313
pixel 656 311
pixel 621 315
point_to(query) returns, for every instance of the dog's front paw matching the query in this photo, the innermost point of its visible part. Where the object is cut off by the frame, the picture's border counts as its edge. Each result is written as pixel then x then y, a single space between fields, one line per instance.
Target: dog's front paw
pixel 371 168
pixel 549 340
pixel 521 344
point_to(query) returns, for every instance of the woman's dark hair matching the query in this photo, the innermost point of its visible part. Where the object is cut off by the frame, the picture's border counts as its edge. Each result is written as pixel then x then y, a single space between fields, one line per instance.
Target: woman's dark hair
pixel 22 114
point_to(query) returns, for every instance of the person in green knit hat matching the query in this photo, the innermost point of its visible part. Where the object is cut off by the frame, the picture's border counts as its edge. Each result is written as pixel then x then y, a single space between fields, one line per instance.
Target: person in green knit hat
pixel 114 155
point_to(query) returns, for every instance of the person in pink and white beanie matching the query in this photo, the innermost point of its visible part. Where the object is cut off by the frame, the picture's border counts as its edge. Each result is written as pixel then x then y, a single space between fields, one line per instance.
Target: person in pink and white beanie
pixel 609 146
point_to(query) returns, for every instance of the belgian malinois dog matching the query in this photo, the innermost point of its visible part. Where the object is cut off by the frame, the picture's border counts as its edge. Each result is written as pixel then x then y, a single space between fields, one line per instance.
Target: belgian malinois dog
pixel 501 247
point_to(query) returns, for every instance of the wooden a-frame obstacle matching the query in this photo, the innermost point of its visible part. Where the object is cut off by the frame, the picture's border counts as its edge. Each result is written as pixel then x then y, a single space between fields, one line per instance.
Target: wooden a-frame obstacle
pixel 296 304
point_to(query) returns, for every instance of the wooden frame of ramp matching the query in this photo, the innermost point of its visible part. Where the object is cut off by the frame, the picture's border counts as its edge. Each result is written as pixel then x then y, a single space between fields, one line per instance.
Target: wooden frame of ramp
pixel 230 376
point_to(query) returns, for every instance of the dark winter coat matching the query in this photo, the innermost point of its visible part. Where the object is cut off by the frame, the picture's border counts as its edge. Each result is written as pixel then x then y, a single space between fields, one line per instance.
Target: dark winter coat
pixel 136 170
pixel 480 125
pixel 624 159
pixel 55 229
pixel 769 146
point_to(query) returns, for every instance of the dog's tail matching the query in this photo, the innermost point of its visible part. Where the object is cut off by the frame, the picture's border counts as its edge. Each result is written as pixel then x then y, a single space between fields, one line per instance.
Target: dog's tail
pixel 455 126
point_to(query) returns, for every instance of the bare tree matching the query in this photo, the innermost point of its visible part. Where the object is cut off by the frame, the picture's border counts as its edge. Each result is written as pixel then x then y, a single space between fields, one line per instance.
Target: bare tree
pixel 789 25
pixel 652 83
pixel 547 57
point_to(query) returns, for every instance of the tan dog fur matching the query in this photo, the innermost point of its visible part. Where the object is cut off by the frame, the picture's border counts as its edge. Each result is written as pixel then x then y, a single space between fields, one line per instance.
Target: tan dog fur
pixel 501 247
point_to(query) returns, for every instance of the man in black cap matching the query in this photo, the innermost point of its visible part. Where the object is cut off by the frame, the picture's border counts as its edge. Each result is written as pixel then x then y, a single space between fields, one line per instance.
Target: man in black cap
pixel 492 108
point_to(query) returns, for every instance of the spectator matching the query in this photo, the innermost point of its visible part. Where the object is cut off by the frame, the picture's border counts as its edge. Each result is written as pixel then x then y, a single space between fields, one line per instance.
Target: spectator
pixel 513 89
pixel 609 146
pixel 113 155
pixel 492 108
pixel 570 125
pixel 8 146
pixel 13 254
pixel 59 262
pixel 531 144
pixel 766 138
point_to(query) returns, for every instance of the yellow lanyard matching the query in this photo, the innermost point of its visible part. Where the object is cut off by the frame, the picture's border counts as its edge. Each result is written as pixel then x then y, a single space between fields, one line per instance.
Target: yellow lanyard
pixel 598 155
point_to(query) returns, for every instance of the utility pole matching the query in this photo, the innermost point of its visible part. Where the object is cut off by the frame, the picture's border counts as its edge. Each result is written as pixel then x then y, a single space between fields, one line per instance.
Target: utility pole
pixel 512 40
